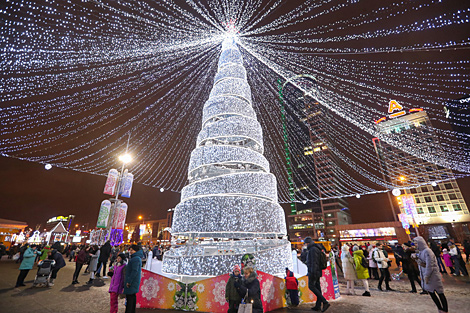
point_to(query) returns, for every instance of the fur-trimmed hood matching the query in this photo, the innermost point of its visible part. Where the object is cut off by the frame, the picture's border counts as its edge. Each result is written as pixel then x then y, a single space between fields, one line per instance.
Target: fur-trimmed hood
pixel 251 278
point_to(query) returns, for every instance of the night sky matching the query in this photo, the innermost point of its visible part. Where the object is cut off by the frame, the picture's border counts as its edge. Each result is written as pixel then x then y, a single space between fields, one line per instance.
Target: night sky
pixel 32 194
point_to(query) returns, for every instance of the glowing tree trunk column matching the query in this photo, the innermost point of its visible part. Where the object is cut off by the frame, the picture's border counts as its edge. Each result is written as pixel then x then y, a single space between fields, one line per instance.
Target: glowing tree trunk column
pixel 230 206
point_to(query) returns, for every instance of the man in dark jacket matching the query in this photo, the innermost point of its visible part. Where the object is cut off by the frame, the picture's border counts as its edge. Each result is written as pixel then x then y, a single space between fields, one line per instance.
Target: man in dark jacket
pixel 410 267
pixel 132 277
pixel 437 252
pixel 81 259
pixel 59 263
pixel 466 246
pixel 315 273
pixel 105 252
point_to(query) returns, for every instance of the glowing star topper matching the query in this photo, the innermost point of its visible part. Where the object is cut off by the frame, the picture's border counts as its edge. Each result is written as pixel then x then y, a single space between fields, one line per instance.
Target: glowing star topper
pixel 231 29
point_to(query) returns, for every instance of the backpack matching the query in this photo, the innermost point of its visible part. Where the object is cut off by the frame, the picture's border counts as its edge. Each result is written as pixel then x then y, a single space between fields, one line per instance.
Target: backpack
pixel 364 263
pixel 323 260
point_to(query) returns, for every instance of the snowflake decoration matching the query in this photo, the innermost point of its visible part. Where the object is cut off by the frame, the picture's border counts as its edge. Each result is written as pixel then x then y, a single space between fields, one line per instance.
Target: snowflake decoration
pixel 260 277
pixel 161 301
pixel 326 273
pixel 208 304
pixel 219 292
pixel 150 288
pixel 302 283
pixel 200 288
pixel 282 285
pixel 268 290
pixel 311 296
pixel 137 305
pixel 323 284
pixel 171 286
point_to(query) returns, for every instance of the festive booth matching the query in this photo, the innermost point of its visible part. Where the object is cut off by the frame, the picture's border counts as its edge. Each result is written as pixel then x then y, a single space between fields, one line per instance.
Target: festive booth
pixel 208 295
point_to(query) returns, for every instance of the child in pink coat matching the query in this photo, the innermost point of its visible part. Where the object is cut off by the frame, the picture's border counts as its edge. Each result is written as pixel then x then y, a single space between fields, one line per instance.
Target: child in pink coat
pixel 116 287
pixel 448 260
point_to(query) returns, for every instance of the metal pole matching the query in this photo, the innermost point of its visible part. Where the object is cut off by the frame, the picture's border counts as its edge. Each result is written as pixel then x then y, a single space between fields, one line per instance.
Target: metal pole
pixel 383 176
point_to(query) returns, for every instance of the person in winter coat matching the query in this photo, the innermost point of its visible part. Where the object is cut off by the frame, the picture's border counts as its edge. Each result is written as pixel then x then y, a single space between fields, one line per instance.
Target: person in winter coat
pixel 81 259
pixel 105 252
pixel 231 293
pixel 466 246
pixel 94 256
pixel 292 286
pixel 448 260
pixel 373 272
pixel 410 267
pixel 315 273
pixel 437 252
pixel 455 259
pixel 59 263
pixel 362 272
pixel 249 289
pixel 27 264
pixel 347 262
pixel 116 286
pixel 383 264
pixel 431 278
pixel 45 253
pixel 132 277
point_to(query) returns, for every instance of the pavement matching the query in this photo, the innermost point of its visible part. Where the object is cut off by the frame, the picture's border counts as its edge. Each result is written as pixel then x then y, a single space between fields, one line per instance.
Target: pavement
pixel 67 298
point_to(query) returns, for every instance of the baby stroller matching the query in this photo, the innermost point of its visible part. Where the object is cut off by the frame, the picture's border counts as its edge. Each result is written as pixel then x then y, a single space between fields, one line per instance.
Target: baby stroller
pixel 44 273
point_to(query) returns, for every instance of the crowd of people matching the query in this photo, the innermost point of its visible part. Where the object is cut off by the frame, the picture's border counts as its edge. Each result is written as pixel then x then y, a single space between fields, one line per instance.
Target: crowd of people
pixel 423 263
pixel 125 263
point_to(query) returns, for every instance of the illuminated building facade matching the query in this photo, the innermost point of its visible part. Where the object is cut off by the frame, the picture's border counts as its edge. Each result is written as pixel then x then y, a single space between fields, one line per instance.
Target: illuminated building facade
pixel 319 220
pixel 440 206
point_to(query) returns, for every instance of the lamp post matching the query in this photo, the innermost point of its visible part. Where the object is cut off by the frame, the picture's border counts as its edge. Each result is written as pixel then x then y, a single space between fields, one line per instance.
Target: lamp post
pixel 125 158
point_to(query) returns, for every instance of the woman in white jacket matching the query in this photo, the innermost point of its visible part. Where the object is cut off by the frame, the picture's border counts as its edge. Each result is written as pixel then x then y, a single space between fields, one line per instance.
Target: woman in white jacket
pixel 347 262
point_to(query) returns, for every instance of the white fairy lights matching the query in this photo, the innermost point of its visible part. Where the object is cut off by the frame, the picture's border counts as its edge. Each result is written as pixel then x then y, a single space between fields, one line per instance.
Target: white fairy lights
pixel 232 198
pixel 77 76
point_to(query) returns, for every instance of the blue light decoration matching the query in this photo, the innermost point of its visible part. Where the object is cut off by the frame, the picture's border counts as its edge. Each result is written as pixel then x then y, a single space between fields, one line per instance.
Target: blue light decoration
pixel 116 237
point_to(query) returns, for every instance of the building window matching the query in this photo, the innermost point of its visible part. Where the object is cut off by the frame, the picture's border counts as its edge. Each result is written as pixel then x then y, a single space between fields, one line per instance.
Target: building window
pixel 417 200
pixel 457 207
pixel 444 208
pixel 431 209
pixel 419 210
pixel 436 188
pixel 413 190
pixel 424 189
pixel 330 223
pixel 331 230
pixel 427 199
pixel 452 196
pixel 440 198
pixel 448 186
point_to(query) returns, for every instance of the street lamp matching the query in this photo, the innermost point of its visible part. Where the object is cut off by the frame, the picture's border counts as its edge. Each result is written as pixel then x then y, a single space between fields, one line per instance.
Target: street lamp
pixel 124 158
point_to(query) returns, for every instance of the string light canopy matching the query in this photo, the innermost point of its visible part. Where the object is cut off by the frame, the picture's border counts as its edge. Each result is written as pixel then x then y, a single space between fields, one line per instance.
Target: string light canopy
pixel 79 76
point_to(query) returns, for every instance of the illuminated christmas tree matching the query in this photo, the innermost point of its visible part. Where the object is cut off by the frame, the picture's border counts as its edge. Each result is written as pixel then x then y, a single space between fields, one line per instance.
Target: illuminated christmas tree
pixel 229 208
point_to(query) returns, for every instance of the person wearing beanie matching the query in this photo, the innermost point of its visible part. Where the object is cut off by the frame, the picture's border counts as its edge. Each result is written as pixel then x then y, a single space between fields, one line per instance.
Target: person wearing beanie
pixel 448 260
pixel 347 262
pixel 231 293
pixel 410 267
pixel 81 259
pixel 44 253
pixel 292 286
pixel 361 269
pixel 116 286
pixel 132 277
pixel 314 273
pixel 26 264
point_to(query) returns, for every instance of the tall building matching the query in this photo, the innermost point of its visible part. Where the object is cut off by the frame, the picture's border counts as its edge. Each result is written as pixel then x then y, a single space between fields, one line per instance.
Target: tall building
pixel 319 220
pixel 440 207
